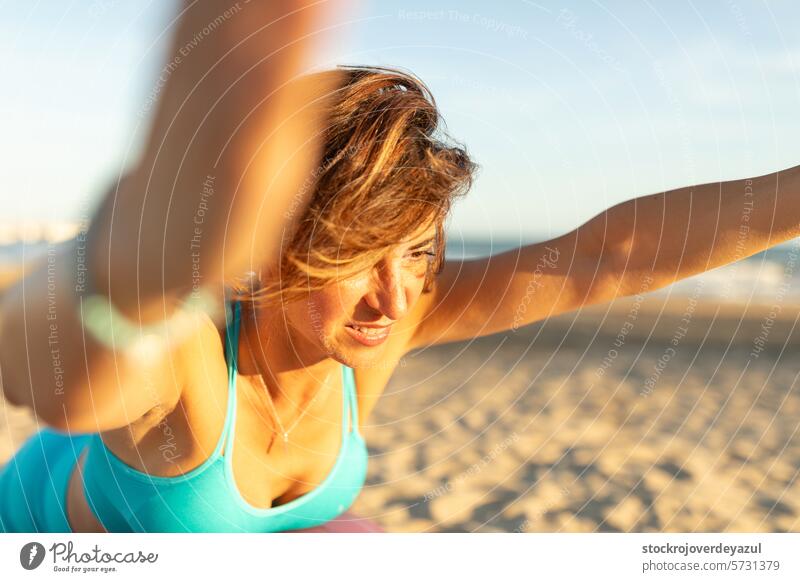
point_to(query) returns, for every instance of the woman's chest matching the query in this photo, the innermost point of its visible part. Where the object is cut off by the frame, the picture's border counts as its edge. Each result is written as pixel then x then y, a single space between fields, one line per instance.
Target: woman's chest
pixel 267 469
pixel 273 462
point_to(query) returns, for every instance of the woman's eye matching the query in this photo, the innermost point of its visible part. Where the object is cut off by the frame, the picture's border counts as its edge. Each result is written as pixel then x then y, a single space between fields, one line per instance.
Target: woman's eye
pixel 420 254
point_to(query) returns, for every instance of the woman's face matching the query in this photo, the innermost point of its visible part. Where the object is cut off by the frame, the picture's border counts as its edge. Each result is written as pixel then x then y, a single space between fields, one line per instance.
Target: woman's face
pixel 351 320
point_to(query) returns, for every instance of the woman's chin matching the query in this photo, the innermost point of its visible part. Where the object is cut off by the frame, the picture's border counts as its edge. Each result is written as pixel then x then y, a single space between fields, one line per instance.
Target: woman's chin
pixel 360 356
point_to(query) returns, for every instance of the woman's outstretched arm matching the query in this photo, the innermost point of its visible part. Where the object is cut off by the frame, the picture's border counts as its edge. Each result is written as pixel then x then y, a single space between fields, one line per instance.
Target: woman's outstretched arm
pixel 232 140
pixel 634 247
pixel 673 235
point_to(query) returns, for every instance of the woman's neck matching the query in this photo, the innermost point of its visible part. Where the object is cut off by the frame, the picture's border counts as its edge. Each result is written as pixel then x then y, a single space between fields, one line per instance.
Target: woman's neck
pixel 286 363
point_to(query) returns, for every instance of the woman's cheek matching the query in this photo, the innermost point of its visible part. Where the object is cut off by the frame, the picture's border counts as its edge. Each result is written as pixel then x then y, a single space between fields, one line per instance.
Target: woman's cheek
pixel 349 294
pixel 353 286
pixel 317 318
pixel 328 309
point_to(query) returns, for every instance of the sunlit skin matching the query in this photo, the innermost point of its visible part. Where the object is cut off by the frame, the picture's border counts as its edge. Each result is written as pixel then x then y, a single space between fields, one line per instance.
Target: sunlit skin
pixel 299 348
pixel 664 237
pixel 661 237
pixel 308 339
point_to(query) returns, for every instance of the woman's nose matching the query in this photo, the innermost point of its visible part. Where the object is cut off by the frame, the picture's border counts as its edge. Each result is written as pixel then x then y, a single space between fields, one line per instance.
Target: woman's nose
pixel 389 294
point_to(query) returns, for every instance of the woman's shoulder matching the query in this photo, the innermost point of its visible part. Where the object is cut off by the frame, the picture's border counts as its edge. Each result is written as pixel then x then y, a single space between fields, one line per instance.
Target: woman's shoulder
pixel 198 365
pixel 202 356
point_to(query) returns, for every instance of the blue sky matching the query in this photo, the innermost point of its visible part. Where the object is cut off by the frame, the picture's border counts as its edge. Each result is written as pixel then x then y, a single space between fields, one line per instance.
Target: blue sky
pixel 569 107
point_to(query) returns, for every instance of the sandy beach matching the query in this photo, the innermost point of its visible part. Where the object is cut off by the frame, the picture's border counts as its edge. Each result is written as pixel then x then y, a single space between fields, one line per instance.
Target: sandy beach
pixel 649 414
pixel 572 426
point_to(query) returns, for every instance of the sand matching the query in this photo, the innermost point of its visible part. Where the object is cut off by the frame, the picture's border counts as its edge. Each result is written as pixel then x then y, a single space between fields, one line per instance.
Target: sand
pixel 644 415
pixel 573 425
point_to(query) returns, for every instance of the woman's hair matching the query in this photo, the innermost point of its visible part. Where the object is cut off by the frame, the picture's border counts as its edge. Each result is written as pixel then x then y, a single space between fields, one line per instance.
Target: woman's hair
pixel 387 172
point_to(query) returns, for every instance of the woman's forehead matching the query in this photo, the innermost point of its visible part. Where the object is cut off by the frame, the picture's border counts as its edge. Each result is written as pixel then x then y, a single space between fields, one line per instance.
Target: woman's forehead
pixel 423 234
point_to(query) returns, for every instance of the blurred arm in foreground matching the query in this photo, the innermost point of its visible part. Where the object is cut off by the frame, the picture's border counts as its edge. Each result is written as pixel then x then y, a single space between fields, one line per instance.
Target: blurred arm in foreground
pixel 232 140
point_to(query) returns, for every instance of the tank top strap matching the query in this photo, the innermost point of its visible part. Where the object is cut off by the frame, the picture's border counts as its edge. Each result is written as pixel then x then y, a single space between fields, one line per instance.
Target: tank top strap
pixel 233 316
pixel 351 396
pixel 233 323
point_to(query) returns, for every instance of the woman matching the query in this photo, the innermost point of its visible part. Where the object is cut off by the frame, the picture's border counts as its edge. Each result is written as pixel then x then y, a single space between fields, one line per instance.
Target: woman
pixel 252 423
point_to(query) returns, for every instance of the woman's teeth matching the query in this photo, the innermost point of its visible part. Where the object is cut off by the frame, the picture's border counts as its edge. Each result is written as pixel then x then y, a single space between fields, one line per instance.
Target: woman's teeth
pixel 370 331
pixel 369 336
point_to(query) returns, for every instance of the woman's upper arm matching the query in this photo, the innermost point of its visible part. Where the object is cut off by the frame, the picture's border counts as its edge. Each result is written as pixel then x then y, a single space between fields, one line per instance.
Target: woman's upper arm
pixel 51 364
pixel 124 386
pixel 480 297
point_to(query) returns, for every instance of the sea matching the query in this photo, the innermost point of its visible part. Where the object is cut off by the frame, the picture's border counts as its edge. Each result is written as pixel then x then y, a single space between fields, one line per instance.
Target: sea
pixel 772 276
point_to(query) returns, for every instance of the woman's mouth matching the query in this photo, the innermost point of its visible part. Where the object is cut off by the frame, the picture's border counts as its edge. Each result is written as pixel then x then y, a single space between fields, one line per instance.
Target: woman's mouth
pixel 369 336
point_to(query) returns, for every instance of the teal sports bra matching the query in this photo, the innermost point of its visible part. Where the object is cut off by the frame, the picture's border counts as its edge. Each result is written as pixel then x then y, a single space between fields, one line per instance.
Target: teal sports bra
pixel 206 498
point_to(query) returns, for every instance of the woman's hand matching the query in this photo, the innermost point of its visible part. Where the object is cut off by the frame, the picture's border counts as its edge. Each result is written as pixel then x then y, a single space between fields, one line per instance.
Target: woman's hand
pixel 233 138
pixel 232 141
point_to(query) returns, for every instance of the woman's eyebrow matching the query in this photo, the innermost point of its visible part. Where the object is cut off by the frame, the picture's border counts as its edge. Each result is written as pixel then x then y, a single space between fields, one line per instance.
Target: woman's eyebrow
pixel 422 244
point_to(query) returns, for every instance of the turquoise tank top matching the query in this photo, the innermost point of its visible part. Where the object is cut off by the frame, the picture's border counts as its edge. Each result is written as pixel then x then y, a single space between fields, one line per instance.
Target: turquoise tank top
pixel 206 498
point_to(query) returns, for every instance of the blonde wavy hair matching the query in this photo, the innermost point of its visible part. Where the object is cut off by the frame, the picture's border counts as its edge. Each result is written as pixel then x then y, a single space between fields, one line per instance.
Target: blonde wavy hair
pixel 387 170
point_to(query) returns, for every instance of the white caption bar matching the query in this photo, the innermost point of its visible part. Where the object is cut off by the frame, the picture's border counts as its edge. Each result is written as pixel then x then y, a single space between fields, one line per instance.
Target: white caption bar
pixel 389 557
